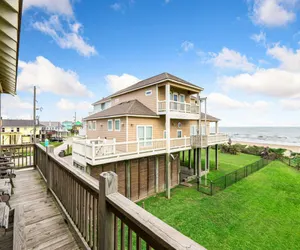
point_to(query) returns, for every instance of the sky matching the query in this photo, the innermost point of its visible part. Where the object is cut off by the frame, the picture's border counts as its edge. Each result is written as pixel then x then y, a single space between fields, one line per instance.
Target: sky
pixel 244 53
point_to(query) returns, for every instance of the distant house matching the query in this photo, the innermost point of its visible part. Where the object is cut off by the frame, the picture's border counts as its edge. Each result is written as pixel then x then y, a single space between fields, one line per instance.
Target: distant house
pixel 53 129
pixel 68 125
pixel 77 126
pixel 17 131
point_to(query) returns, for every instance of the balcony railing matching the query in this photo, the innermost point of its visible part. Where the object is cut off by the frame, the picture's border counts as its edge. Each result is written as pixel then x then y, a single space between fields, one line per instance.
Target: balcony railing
pixel 198 141
pixel 176 106
pixel 96 152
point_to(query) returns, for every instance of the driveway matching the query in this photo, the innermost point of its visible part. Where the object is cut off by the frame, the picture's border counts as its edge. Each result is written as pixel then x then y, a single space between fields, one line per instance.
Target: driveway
pixel 67 159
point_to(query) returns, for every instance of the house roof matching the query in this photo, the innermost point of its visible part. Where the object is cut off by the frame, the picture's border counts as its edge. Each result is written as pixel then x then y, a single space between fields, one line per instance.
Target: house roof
pixel 17 123
pixel 129 108
pixel 209 117
pixel 10 26
pixel 149 82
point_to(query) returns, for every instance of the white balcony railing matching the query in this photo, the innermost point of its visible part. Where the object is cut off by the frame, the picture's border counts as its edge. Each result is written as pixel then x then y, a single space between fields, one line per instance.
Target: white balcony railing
pixel 99 151
pixel 176 106
pixel 208 140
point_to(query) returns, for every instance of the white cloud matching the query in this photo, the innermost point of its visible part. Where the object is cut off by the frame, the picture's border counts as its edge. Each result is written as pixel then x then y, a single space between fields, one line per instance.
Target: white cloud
pixel 116 83
pixel 63 7
pixel 259 38
pixel 230 59
pixel 167 1
pixel 50 78
pixel 15 107
pixel 66 36
pixel 187 46
pixel 291 104
pixel 270 82
pixel 273 12
pixel 116 6
pixel 221 101
pixel 65 104
pixel 290 61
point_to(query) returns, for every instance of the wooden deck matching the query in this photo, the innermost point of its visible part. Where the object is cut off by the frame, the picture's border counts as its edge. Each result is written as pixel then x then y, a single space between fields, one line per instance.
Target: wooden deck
pixel 45 226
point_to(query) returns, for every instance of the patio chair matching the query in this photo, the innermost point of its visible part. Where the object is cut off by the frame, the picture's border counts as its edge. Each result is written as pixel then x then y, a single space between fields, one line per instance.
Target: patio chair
pixel 4 216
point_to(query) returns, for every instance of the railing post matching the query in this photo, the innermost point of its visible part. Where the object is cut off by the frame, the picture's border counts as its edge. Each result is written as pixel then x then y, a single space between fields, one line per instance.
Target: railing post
pixel 108 184
pixel 49 170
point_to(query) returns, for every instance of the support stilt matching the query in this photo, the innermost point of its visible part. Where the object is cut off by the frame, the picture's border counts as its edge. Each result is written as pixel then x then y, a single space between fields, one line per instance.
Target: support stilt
pixel 168 176
pixel 216 157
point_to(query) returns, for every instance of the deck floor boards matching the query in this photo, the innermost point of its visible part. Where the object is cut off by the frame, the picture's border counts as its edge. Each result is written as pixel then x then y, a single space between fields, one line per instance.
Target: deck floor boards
pixel 45 226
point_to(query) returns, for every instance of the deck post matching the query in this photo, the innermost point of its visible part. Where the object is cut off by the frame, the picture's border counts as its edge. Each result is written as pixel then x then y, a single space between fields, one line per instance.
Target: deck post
pixel 195 162
pixel 190 162
pixel 206 163
pixel 216 157
pixel 156 173
pixel 199 165
pixel 49 168
pixel 168 176
pixel 183 158
pixel 127 169
pixel 108 184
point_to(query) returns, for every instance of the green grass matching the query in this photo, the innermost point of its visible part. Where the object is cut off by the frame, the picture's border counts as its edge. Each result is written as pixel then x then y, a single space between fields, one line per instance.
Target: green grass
pixel 261 211
pixel 227 163
pixel 54 143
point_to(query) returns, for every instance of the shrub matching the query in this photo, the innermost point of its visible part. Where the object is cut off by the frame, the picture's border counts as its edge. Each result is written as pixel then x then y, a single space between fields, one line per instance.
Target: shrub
pixel 230 149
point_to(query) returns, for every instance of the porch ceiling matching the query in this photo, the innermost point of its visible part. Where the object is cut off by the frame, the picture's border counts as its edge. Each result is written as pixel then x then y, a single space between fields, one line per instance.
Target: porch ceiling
pixel 10 24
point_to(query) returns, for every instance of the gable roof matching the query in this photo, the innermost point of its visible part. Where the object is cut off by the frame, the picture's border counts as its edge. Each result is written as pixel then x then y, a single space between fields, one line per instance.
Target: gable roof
pixel 18 123
pixel 51 124
pixel 129 108
pixel 149 82
pixel 209 117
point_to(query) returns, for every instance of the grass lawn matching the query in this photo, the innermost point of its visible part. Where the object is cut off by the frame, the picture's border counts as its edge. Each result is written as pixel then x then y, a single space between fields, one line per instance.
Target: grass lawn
pixel 261 211
pixel 53 143
pixel 227 163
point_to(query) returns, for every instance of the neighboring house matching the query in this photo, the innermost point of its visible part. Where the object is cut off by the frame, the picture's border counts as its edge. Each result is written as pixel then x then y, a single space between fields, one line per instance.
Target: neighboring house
pixel 16 131
pixel 76 127
pixel 68 125
pixel 52 129
pixel 139 131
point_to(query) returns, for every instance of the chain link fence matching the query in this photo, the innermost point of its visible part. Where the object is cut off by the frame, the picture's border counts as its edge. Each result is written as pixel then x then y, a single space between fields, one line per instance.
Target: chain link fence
pixel 211 187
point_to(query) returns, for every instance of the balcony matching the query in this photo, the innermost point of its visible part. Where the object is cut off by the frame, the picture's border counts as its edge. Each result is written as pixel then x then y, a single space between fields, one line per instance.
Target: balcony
pixel 92 213
pixel 179 110
pixel 97 152
pixel 198 141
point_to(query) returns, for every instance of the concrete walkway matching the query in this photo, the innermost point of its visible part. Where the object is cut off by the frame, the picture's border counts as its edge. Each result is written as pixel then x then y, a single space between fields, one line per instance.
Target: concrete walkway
pixel 68 159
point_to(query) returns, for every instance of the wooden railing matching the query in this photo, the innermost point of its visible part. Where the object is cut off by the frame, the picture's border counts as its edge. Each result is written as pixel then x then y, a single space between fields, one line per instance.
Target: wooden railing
pixel 21 154
pixel 102 217
pixel 176 106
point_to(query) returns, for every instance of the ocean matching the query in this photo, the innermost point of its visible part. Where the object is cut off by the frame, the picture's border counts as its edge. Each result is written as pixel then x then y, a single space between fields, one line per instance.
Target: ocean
pixel 269 135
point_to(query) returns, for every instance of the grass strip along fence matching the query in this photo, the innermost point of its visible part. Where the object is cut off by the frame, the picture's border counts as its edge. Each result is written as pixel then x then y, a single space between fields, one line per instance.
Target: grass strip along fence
pixel 211 187
pixel 292 162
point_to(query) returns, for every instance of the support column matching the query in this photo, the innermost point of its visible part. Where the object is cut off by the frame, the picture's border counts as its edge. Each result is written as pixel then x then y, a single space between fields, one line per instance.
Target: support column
pixel 206 163
pixel 127 178
pixel 168 136
pixel 156 173
pixel 216 157
pixel 195 162
pixel 168 176
pixel 183 157
pixel 190 160
pixel 199 165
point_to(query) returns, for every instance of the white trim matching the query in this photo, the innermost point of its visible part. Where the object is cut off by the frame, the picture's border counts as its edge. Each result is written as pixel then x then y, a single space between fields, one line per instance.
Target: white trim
pixel 116 116
pixel 164 134
pixel 156 87
pixel 112 124
pixel 150 92
pixel 118 130
pixel 179 130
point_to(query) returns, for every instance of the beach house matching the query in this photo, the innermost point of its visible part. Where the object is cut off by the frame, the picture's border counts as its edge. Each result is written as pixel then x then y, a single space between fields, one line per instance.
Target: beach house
pixel 146 126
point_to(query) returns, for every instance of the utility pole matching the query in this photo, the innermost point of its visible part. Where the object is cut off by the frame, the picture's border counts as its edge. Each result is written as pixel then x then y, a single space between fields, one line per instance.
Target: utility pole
pixel 75 118
pixel 34 114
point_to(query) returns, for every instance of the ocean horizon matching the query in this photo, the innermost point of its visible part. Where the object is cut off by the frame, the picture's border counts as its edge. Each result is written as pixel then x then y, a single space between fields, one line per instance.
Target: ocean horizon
pixel 268 135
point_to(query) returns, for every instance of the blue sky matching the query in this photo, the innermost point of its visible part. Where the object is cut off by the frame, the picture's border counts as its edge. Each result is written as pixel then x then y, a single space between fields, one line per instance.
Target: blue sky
pixel 243 53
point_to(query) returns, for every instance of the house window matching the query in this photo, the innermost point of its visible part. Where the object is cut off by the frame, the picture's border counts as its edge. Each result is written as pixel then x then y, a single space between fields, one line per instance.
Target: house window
pixel 175 97
pixel 3 130
pixel 94 125
pixel 110 125
pixel 165 134
pixel 18 129
pixel 179 133
pixel 171 96
pixel 117 125
pixel 90 125
pixel 148 92
pixel 145 133
pixel 193 129
pixel 102 106
pixel 182 98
